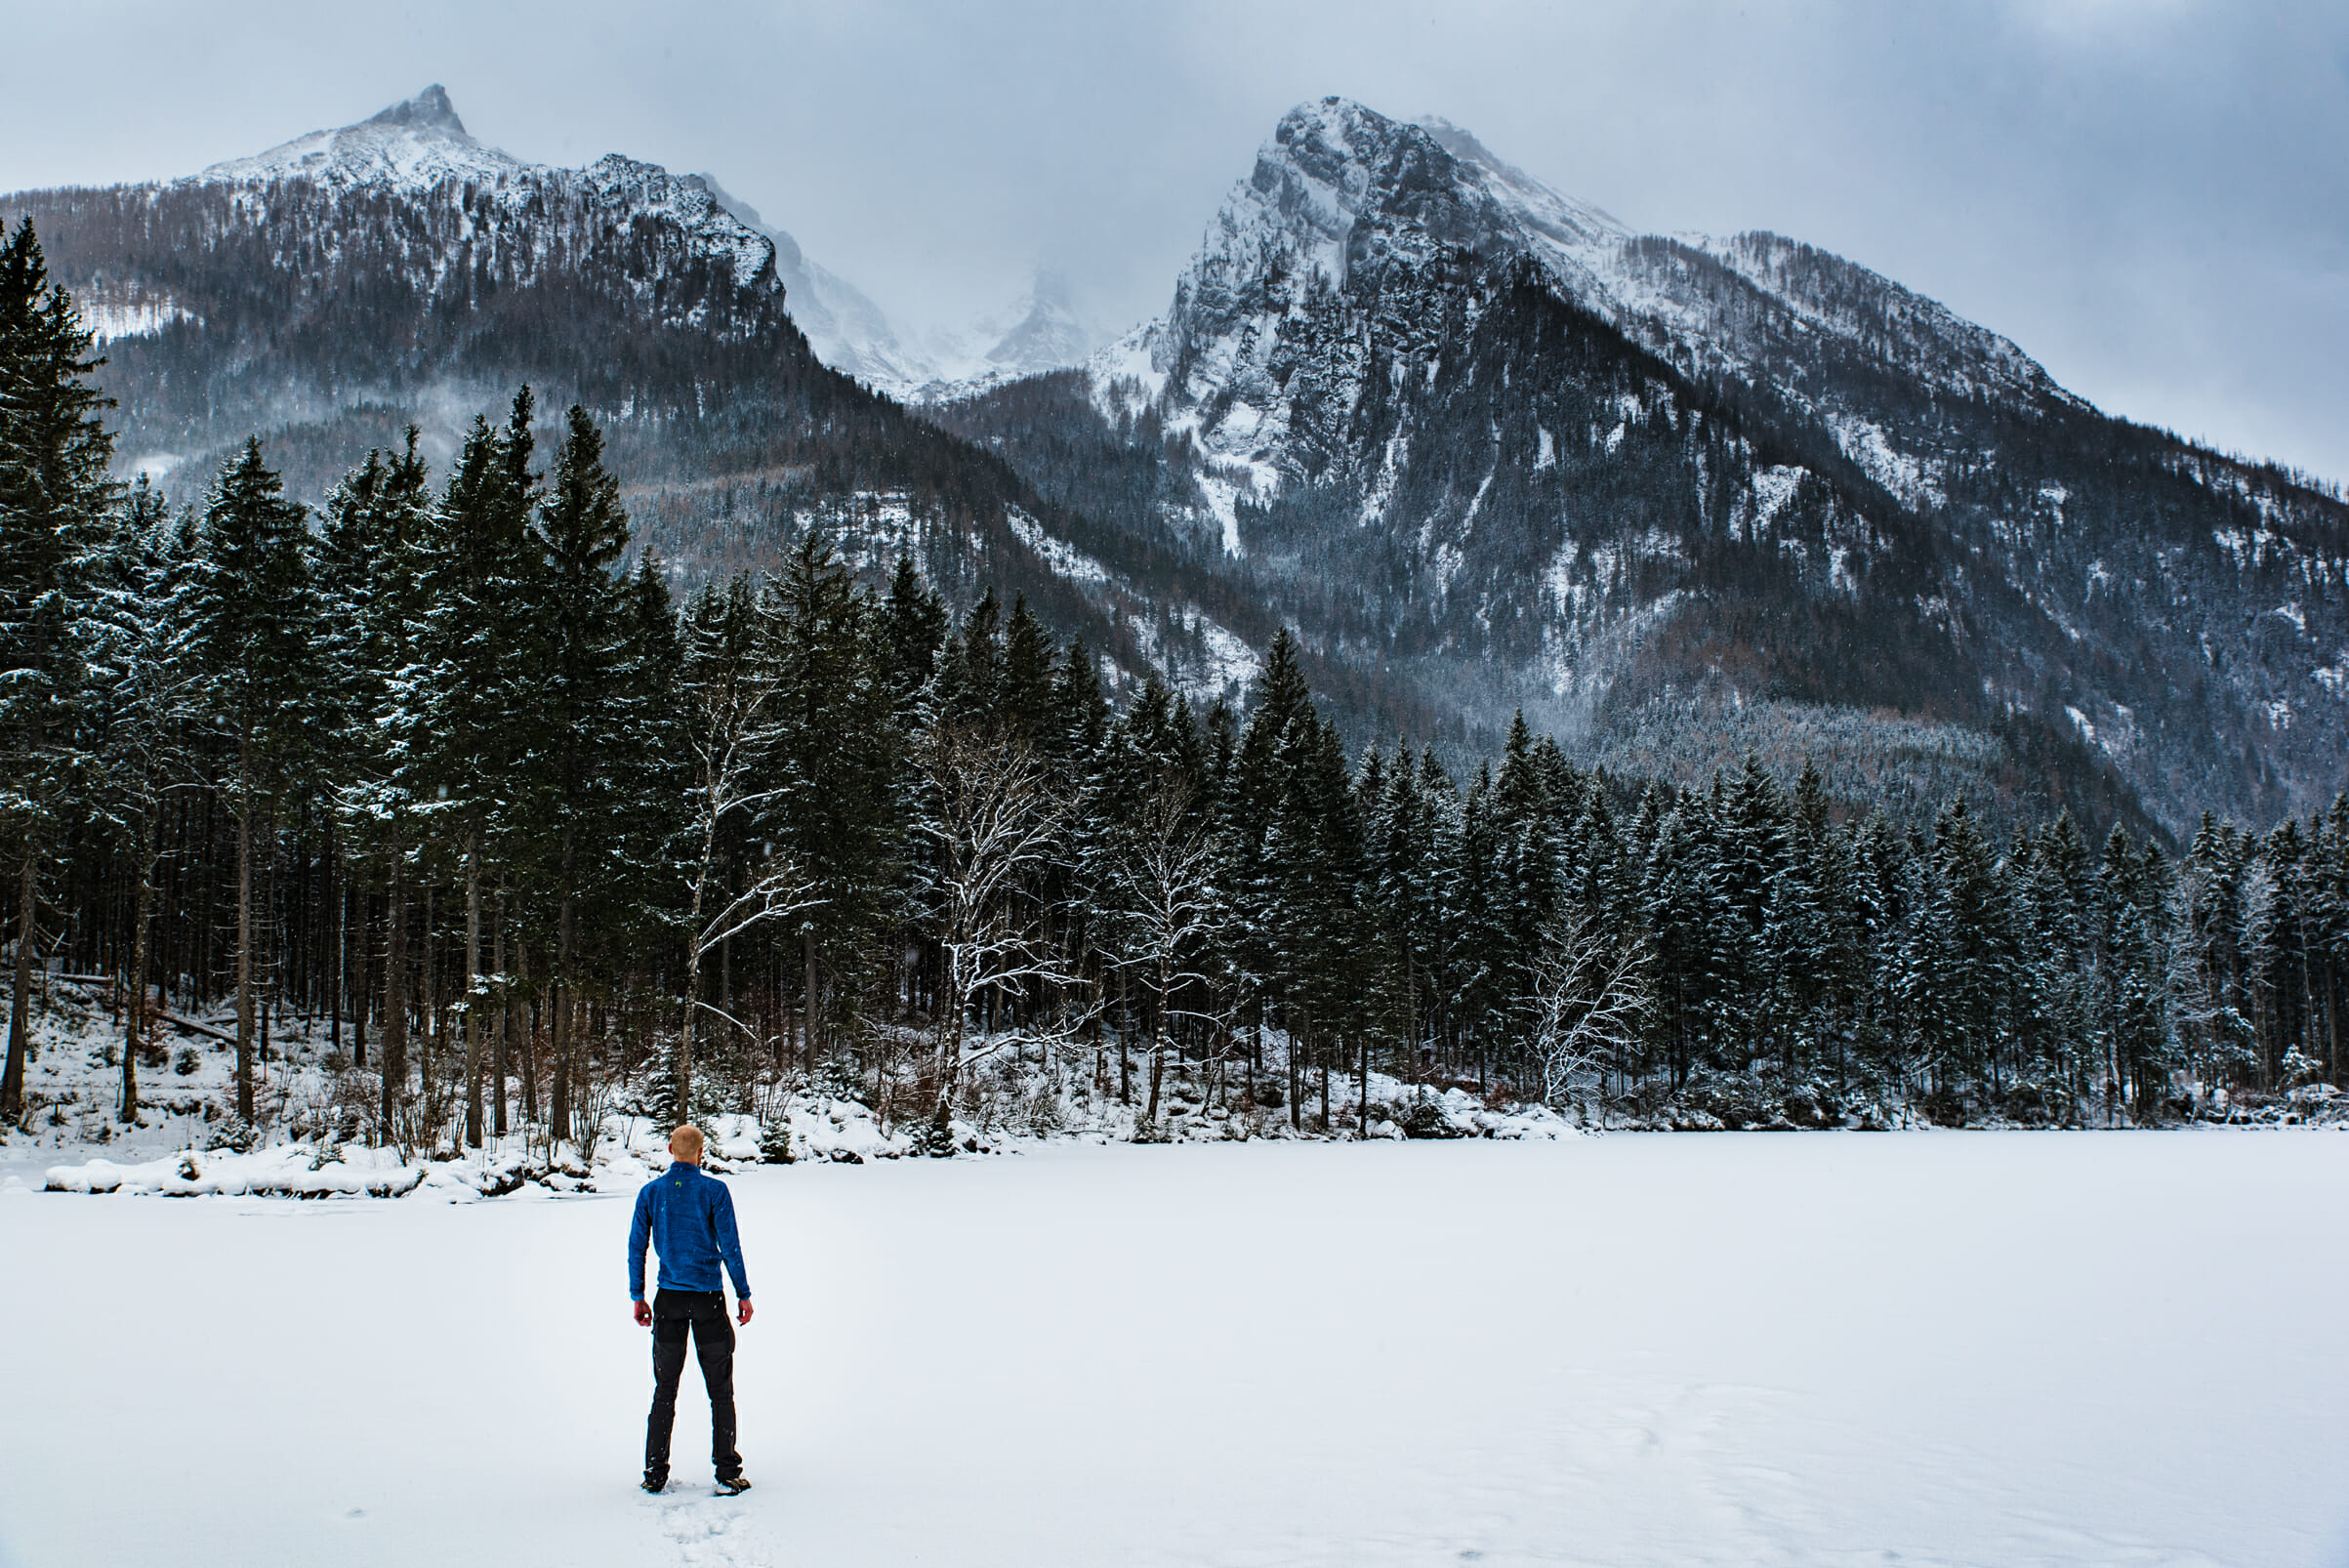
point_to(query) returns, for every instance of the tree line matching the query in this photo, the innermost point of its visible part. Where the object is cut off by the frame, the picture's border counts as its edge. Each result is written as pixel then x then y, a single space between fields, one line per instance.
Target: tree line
pixel 435 771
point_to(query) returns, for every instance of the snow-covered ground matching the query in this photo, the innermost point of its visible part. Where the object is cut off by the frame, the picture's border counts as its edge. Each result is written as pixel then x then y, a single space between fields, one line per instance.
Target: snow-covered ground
pixel 1986 1348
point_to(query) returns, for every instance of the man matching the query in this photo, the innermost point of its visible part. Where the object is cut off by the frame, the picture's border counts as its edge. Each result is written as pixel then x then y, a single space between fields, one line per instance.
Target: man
pixel 689 1219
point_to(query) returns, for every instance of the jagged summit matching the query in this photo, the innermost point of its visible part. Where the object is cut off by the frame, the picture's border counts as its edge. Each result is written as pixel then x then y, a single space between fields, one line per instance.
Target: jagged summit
pixel 410 145
pixel 416 147
pixel 1339 188
pixel 428 110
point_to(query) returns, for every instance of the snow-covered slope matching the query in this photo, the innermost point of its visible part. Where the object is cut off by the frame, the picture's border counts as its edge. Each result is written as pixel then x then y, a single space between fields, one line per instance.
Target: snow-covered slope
pixel 1453 422
pixel 409 146
pixel 333 291
pixel 845 327
pixel 415 147
pixel 420 147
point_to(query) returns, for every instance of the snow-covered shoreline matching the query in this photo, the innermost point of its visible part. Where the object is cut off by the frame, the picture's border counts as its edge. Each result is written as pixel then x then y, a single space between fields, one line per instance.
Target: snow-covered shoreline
pixel 186 1144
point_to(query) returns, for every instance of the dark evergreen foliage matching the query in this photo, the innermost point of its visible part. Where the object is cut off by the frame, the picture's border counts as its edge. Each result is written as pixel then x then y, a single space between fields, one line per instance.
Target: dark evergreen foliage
pixel 439 768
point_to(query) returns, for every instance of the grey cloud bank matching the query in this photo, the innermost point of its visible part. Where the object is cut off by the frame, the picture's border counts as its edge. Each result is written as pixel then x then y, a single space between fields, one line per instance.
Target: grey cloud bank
pixel 2149 197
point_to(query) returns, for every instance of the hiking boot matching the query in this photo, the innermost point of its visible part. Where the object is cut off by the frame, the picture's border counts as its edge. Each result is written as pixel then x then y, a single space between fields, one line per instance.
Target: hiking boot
pixel 654 1483
pixel 733 1485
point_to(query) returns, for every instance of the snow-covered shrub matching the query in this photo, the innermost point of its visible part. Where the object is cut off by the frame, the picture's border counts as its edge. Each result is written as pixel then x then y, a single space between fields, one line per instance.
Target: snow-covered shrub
pixel 1424 1115
pixel 935 1137
pixel 1040 1113
pixel 234 1134
pixel 774 1142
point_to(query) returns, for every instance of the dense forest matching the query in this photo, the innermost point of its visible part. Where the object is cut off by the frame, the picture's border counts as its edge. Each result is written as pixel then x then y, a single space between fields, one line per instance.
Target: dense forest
pixel 533 838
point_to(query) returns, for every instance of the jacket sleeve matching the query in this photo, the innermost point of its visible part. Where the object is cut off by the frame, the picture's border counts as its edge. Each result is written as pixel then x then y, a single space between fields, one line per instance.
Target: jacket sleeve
pixel 729 1245
pixel 639 1232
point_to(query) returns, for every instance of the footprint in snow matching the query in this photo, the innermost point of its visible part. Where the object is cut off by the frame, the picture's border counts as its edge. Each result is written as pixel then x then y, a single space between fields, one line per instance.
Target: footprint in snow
pixel 707 1533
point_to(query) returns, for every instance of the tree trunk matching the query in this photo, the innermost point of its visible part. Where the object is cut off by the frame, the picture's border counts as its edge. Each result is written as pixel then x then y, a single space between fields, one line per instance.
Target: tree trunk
pixel 428 1081
pixel 955 1001
pixel 133 1032
pixel 362 965
pixel 244 928
pixel 681 1076
pixel 1158 1048
pixel 19 1006
pixel 559 1113
pixel 807 951
pixel 1125 1035
pixel 1297 1087
pixel 500 1062
pixel 395 989
pixel 473 982
pixel 338 901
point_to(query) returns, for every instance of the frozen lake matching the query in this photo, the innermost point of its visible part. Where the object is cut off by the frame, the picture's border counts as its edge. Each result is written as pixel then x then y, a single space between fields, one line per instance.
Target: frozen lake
pixel 1982 1348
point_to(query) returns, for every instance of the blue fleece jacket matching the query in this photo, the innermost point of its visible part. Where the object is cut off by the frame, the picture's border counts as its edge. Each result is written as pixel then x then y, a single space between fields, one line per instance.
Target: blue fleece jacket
pixel 689 1219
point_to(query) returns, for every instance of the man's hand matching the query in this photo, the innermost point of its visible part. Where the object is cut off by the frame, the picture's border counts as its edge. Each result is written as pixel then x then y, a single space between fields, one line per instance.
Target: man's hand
pixel 742 1313
pixel 643 1314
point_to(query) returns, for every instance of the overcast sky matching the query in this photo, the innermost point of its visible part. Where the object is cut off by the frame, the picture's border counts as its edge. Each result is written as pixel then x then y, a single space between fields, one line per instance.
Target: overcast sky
pixel 2151 196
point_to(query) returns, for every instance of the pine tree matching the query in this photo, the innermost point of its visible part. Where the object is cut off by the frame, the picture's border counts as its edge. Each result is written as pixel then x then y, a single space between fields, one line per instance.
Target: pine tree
pixel 484 675
pixel 54 517
pixel 253 618
pixel 371 570
pixel 1526 843
pixel 1246 853
pixel 1027 675
pixel 917 626
pixel 140 716
pixel 590 739
pixel 837 779
pixel 970 673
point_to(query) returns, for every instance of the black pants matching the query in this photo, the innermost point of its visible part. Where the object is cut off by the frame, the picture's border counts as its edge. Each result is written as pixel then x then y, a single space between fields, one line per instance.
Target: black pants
pixel 703 1315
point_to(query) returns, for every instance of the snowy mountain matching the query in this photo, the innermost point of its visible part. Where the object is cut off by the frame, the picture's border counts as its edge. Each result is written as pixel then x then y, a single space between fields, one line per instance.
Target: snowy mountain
pixel 331 291
pixel 1340 189
pixel 410 147
pixel 1482 445
pixel 1679 496
pixel 413 146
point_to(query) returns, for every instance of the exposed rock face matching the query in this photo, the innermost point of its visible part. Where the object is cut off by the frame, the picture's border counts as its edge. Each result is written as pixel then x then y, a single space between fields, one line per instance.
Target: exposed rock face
pixel 1481 440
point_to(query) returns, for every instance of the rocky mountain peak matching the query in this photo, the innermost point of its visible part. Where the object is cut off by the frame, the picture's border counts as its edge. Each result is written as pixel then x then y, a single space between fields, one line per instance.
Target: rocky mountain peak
pixel 428 110
pixel 411 145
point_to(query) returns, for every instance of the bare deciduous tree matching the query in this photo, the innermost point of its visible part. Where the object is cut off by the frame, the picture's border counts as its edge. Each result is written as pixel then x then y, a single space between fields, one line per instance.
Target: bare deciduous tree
pixel 997 821
pixel 731 684
pixel 1590 997
pixel 1167 914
